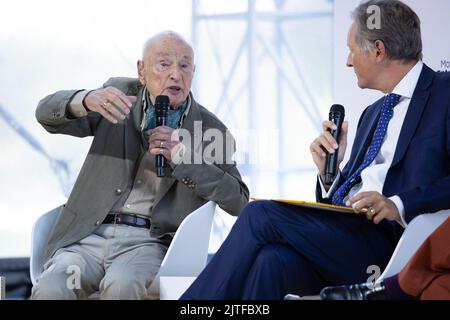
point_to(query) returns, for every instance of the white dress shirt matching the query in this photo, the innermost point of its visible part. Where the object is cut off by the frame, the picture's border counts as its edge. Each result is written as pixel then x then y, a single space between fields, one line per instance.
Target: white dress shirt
pixel 373 177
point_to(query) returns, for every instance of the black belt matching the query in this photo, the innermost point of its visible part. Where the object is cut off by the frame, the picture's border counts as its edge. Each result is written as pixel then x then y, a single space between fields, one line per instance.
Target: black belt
pixel 128 219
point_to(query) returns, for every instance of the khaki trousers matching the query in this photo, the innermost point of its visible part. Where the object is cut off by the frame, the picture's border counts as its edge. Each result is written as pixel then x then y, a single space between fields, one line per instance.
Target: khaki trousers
pixel 427 274
pixel 119 261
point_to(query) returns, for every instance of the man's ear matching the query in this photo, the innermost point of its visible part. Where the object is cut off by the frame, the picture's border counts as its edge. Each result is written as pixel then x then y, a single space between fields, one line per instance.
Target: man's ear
pixel 380 50
pixel 140 70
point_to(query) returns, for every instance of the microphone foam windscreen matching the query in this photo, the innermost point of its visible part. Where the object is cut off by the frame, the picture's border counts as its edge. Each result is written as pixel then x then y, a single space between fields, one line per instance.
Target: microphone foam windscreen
pixel 162 100
pixel 337 108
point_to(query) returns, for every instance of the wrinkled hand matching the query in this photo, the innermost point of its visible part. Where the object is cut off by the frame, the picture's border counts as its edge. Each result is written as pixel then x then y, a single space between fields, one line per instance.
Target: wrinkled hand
pixel 164 140
pixel 325 142
pixel 378 206
pixel 110 102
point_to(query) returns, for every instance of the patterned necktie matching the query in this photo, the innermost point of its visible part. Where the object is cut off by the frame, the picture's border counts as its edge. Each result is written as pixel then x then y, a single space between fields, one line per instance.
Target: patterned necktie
pixel 387 110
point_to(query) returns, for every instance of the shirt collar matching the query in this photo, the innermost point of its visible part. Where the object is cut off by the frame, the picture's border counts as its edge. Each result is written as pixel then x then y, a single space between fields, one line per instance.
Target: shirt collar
pixel 407 85
pixel 145 106
pixel 186 112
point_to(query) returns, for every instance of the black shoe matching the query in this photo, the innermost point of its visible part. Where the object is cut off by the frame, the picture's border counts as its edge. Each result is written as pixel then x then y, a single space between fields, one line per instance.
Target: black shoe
pixel 365 291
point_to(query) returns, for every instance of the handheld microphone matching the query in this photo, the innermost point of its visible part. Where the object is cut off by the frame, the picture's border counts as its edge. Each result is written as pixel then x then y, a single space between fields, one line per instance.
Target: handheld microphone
pixel 337 114
pixel 161 111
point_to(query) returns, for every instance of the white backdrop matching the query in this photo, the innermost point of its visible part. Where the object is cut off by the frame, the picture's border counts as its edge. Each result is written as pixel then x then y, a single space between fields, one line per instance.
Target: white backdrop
pixel 50 45
pixel 434 15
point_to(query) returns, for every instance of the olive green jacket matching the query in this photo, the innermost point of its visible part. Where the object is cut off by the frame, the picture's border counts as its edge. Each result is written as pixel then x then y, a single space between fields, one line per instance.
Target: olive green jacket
pixel 113 160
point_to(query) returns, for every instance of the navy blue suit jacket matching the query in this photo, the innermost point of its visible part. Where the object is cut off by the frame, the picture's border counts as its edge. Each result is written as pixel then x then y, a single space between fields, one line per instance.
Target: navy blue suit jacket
pixel 420 171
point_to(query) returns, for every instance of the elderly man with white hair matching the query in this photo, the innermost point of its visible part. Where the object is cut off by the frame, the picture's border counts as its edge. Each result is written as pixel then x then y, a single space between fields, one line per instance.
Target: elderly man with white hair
pixel 120 217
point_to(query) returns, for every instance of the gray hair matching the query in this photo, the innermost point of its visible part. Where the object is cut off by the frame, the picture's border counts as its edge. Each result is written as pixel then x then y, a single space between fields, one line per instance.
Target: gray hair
pixel 399 29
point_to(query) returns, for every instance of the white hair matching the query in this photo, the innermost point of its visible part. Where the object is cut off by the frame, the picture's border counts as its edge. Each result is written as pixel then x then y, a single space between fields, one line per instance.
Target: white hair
pixel 164 34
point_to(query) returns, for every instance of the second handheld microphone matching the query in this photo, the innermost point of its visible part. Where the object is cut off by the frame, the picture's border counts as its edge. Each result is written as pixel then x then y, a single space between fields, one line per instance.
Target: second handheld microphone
pixel 337 114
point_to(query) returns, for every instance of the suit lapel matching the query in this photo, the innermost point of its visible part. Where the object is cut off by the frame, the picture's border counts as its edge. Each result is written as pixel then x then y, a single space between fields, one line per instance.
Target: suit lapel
pixel 137 115
pixel 133 145
pixel 415 110
pixel 194 126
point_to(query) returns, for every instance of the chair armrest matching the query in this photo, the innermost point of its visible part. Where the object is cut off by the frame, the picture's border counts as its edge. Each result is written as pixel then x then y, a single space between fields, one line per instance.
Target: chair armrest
pixel 188 252
pixel 414 235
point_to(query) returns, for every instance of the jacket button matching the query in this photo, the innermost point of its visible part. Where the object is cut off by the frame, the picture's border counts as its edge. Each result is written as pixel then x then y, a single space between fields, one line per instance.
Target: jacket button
pixel 118 192
pixel 97 223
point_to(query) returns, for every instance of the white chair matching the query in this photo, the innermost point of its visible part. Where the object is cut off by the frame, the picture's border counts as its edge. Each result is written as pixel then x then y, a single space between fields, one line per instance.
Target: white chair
pixel 414 235
pixel 197 238
pixel 185 259
pixel 39 239
pixel 186 256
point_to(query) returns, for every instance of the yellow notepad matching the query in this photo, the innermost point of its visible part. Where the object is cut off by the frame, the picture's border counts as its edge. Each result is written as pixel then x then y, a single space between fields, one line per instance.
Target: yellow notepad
pixel 313 205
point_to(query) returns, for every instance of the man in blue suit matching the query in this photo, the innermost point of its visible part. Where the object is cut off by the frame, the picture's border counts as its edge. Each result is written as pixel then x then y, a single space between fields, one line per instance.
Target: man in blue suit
pixel 399 168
